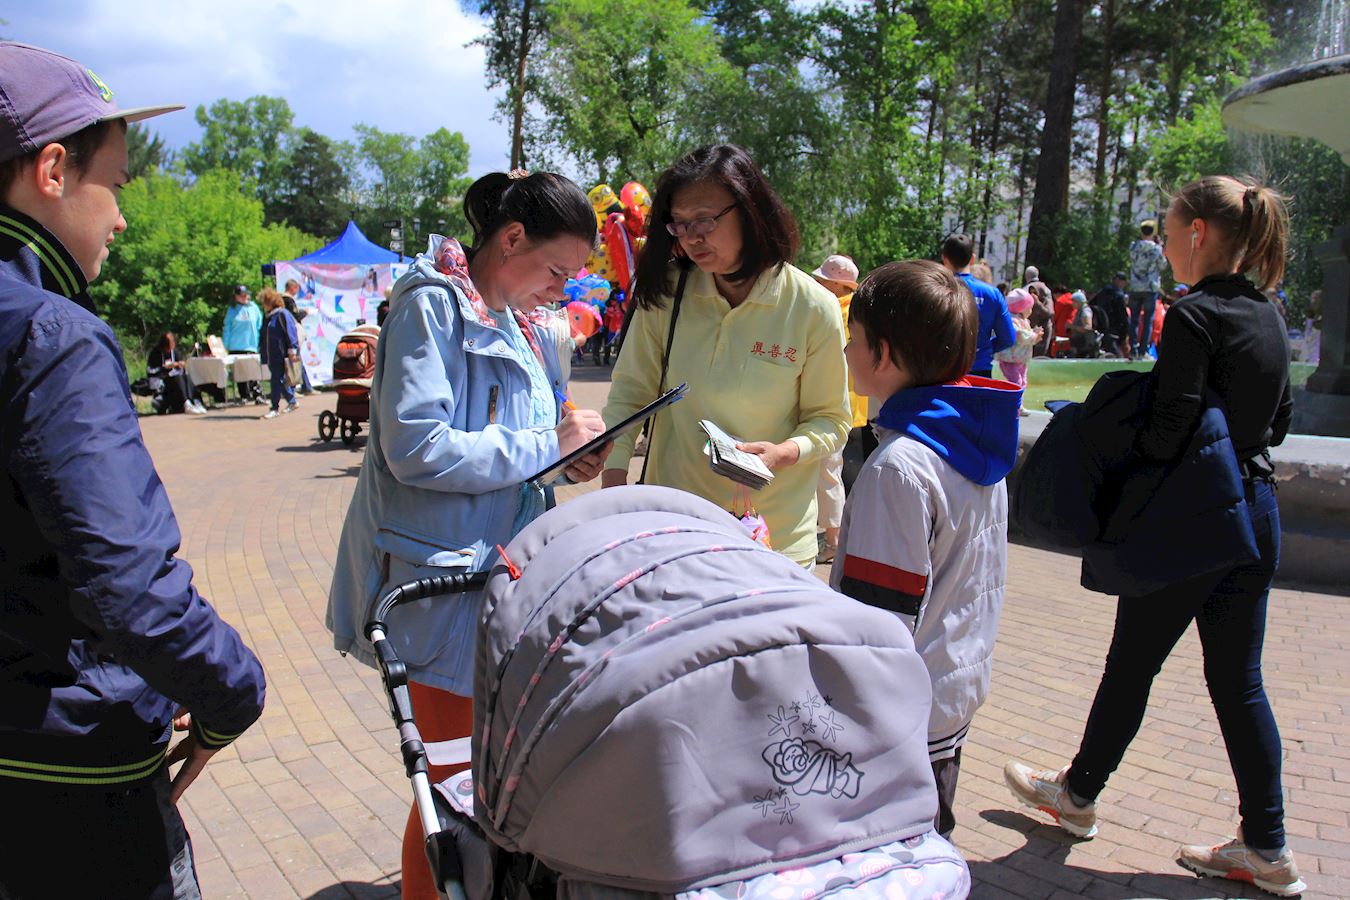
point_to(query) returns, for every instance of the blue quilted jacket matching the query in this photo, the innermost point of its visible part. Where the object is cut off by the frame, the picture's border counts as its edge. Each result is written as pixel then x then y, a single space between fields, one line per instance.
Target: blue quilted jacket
pixel 1141 526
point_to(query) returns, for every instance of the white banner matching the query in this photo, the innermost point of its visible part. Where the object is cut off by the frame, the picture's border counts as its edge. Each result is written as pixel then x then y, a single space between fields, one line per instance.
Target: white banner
pixel 335 298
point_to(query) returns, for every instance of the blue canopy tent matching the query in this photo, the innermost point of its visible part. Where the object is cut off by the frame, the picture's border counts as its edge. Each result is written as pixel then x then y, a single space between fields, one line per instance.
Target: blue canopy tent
pixel 341 286
pixel 352 248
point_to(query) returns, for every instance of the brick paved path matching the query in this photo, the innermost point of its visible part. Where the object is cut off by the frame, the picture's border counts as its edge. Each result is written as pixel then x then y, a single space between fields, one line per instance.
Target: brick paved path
pixel 312 801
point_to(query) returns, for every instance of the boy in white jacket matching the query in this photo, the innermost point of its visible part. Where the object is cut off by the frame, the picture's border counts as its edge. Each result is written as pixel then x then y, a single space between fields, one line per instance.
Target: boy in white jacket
pixel 925 530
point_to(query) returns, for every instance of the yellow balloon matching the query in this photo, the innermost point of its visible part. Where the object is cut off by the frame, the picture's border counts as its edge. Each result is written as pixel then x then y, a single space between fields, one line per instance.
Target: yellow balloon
pixel 602 197
pixel 599 264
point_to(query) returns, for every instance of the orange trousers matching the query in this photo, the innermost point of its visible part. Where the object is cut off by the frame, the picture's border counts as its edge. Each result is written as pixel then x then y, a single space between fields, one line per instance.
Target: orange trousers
pixel 441 716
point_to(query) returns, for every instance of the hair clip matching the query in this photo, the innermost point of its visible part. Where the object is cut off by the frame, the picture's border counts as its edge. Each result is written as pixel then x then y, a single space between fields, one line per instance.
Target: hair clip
pixel 517 174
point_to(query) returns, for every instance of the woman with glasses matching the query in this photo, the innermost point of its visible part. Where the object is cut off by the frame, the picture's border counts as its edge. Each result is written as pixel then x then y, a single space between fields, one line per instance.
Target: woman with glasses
pixel 760 343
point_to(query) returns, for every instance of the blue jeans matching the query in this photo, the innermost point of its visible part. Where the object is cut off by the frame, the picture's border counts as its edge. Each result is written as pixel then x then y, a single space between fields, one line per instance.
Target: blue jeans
pixel 280 386
pixel 1229 609
pixel 1142 304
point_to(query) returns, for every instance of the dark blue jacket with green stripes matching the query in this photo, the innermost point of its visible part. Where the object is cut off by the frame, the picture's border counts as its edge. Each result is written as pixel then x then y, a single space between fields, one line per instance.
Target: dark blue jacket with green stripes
pixel 102 636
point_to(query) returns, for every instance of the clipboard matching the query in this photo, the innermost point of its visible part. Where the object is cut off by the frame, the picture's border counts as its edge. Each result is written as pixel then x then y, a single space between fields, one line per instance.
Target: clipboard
pixel 547 475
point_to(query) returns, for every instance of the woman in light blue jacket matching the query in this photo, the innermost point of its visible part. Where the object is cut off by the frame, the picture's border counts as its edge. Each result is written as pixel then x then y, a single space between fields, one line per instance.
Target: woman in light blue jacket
pixel 465 406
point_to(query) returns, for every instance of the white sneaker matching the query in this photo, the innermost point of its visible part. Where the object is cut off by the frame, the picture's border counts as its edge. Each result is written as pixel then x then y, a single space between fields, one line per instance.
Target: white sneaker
pixel 1238 862
pixel 271 414
pixel 1045 791
pixel 194 409
pixel 291 407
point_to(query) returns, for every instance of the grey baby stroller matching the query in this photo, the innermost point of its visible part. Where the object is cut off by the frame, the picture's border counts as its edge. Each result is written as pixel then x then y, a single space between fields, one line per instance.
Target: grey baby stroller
pixel 664 708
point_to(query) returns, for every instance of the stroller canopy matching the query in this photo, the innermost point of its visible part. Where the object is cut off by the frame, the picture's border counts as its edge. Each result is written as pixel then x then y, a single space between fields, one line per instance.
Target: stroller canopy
pixel 661 704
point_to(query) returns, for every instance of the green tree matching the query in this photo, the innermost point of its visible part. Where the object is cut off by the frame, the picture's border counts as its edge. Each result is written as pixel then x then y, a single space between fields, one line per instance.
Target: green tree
pixel 184 248
pixel 442 179
pixel 515 30
pixel 623 101
pixel 1310 173
pixel 1195 145
pixel 772 47
pixel 416 182
pixel 146 151
pixel 253 137
pixel 314 192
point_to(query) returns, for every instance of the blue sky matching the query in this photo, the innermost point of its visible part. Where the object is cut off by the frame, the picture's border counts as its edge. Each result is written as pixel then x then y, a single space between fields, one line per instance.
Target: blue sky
pixel 399 65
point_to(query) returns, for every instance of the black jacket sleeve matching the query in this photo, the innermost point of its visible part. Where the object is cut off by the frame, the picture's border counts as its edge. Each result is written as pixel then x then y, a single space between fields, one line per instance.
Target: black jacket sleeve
pixel 97 500
pixel 1284 414
pixel 1181 373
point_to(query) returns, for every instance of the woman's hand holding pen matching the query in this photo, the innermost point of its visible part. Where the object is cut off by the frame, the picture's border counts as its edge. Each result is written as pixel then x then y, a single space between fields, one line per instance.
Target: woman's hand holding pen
pixel 578 428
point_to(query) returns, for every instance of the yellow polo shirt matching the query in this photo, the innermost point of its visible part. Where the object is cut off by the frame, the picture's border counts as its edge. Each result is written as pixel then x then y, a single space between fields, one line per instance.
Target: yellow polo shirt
pixel 856 402
pixel 771 369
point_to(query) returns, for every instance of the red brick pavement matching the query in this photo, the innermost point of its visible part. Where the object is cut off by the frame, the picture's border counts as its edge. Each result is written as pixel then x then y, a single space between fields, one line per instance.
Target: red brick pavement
pixel 312 801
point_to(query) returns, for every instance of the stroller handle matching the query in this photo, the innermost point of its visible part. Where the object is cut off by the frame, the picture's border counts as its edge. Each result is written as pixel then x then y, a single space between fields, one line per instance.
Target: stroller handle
pixel 420 589
pixel 440 845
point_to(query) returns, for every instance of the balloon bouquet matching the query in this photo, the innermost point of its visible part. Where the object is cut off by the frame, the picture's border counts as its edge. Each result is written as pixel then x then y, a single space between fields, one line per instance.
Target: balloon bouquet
pixel 622 224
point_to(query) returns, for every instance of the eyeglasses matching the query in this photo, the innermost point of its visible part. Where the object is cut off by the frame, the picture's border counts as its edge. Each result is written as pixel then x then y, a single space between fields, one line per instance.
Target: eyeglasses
pixel 697 227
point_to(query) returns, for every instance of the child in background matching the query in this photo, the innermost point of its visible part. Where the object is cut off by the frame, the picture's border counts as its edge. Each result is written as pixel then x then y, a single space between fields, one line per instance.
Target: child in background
pixel 1012 362
pixel 947 441
pixel 614 312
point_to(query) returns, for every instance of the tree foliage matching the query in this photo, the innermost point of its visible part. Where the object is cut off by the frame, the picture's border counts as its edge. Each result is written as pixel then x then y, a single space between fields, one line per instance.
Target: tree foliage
pixel 146 151
pixel 314 192
pixel 420 183
pixel 184 249
pixel 625 102
pixel 884 124
pixel 253 137
pixel 514 31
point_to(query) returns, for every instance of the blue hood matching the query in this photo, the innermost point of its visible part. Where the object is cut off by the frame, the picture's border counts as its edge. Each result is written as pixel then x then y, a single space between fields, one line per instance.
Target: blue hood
pixel 971 423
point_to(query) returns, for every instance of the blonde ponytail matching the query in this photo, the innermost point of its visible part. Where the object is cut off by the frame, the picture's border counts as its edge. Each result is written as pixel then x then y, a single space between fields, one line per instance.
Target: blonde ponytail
pixel 1251 218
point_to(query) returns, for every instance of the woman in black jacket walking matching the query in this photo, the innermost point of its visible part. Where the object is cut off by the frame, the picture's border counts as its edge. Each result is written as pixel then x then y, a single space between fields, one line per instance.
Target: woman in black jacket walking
pixel 1224 337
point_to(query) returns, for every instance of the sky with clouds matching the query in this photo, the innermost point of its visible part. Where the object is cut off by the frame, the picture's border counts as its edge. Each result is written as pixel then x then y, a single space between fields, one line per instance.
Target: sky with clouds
pixel 400 65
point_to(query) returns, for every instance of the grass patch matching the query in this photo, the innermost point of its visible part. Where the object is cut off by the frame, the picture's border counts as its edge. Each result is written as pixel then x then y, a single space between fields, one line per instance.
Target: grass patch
pixel 1071 379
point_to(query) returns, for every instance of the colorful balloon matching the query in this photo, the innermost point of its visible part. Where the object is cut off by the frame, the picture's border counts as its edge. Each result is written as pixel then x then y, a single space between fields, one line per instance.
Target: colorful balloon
pixel 589 288
pixel 620 246
pixel 599 262
pixel 637 206
pixel 584 318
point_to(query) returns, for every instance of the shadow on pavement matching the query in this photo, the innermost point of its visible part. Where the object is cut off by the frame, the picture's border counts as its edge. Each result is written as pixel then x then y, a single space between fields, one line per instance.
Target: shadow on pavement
pixel 347 890
pixel 349 472
pixel 1041 860
pixel 316 445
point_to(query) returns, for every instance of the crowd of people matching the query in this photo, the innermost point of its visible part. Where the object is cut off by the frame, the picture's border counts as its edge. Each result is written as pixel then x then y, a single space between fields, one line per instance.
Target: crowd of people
pixel 273 333
pixel 470 399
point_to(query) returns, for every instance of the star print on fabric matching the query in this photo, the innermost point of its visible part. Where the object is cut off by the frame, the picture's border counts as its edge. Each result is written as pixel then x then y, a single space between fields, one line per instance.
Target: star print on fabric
pixel 785 809
pixel 812 703
pixel 782 722
pixel 829 701
pixel 830 725
pixel 764 803
pixel 809 727
pixel 796 707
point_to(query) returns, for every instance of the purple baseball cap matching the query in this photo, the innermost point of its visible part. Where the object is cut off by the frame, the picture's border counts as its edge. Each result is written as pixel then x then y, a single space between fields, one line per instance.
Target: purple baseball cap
pixel 45 97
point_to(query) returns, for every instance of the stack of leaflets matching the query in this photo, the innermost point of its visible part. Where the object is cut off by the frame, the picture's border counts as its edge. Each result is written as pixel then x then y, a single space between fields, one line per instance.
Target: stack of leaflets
pixel 726 460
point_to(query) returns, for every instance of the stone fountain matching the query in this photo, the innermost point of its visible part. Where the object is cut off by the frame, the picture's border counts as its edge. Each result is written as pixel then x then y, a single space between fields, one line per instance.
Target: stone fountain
pixel 1313 101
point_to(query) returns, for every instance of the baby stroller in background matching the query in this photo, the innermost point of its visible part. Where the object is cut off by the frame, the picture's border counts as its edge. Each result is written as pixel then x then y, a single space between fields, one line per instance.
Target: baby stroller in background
pixel 665 708
pixel 353 370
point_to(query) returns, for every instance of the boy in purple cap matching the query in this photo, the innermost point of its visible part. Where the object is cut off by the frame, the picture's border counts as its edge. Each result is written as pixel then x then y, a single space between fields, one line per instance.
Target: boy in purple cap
pixel 103 640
